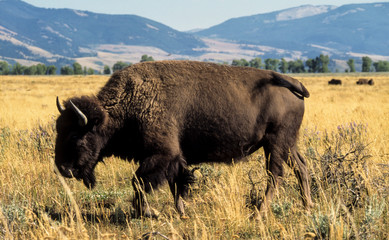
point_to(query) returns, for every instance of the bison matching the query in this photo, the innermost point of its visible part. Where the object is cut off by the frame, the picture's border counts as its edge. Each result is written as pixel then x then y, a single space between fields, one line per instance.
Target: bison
pixel 167 115
pixel 335 82
pixel 364 81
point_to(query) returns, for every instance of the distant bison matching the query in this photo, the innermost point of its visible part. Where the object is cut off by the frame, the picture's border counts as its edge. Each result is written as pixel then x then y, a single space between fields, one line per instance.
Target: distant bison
pixel 170 114
pixel 335 82
pixel 364 81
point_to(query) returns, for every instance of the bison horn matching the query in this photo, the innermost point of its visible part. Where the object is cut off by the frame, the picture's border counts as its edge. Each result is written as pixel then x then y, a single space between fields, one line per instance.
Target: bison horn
pixel 61 109
pixel 83 120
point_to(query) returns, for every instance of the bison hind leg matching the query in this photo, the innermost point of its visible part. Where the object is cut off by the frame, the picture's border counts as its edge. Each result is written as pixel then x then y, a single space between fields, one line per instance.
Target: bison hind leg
pixel 275 156
pixel 274 159
pixel 302 175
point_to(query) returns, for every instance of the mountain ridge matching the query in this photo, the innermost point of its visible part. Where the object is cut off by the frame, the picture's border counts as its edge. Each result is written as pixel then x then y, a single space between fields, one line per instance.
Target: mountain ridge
pixel 73 33
pixel 31 35
pixel 353 27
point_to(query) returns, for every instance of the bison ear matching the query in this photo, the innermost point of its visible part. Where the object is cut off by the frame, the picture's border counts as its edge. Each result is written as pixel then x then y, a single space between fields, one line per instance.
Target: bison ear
pixel 98 118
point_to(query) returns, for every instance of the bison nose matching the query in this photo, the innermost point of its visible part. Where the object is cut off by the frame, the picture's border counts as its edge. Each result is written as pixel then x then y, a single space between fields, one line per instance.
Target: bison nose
pixel 65 171
pixel 62 168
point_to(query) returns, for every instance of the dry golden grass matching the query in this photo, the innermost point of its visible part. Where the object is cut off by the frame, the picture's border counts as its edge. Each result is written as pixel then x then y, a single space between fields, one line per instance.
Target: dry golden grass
pixel 345 132
pixel 330 106
pixel 27 100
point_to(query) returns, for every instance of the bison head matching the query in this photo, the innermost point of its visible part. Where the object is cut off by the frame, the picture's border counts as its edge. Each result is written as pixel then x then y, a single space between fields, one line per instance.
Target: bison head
pixel 80 138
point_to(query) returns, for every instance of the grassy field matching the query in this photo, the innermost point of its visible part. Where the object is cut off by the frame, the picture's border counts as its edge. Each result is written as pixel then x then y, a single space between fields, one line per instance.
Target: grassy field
pixel 344 138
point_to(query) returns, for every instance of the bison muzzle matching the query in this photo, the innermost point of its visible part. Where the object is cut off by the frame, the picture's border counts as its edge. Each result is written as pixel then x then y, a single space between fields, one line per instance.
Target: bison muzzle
pixel 170 114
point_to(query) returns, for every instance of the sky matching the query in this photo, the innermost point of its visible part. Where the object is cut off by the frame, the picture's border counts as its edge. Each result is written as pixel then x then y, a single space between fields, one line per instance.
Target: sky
pixel 186 15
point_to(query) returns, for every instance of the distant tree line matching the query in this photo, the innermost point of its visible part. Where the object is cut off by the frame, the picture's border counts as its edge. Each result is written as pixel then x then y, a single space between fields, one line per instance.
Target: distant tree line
pixel 42 69
pixel 74 69
pixel 311 65
pixel 18 69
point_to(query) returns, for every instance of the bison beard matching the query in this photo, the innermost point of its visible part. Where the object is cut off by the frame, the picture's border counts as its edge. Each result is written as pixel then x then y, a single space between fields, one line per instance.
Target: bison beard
pixel 170 114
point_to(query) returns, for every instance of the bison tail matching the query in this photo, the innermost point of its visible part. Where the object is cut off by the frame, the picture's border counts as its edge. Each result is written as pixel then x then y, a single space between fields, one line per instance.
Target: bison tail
pixel 295 88
pixel 305 92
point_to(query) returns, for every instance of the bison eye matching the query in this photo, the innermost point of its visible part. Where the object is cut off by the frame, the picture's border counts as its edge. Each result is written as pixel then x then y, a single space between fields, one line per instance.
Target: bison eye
pixel 74 138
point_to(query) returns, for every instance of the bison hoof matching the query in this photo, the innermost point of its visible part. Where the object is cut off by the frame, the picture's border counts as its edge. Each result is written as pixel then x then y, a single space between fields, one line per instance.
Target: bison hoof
pixel 149 213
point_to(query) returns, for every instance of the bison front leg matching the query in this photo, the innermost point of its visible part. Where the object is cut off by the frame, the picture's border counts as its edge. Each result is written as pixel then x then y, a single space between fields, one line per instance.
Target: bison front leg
pixel 179 203
pixel 179 178
pixel 153 172
pixel 149 176
pixel 142 209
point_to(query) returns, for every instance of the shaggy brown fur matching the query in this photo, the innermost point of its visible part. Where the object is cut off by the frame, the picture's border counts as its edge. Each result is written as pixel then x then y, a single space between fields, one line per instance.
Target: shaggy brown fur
pixel 170 114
